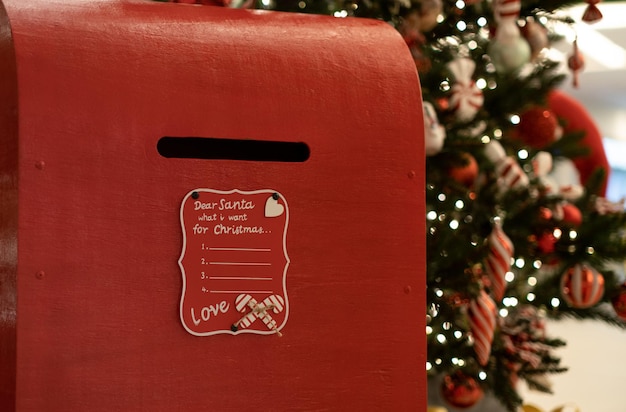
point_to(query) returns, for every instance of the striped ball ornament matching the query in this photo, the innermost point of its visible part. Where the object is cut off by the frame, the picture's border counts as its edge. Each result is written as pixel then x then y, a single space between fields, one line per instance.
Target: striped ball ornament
pixel 582 286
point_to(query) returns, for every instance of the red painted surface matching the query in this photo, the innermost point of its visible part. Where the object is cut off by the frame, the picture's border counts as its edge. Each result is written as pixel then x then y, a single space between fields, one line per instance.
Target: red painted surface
pixel 95 214
pixel 8 214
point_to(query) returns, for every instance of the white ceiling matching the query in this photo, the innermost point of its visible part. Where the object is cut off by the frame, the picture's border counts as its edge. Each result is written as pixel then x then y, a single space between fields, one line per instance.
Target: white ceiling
pixel 602 83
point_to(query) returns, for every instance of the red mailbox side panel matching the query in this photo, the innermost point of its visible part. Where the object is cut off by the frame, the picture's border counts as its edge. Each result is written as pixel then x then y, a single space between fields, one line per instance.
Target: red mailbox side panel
pixel 101 262
pixel 8 213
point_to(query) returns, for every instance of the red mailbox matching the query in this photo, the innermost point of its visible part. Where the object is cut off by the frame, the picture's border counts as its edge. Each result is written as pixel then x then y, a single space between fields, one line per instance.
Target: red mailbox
pixel 208 209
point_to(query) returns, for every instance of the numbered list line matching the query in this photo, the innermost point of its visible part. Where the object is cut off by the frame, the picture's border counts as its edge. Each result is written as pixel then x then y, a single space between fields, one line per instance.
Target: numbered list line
pixel 241 263
pixel 238 278
pixel 243 249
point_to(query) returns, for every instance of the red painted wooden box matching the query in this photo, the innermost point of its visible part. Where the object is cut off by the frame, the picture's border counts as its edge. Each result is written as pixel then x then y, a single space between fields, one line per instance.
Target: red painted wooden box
pixel 207 209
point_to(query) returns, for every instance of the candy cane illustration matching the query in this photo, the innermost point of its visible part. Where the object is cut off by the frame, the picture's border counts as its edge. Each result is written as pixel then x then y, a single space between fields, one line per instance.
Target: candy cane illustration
pixel 259 311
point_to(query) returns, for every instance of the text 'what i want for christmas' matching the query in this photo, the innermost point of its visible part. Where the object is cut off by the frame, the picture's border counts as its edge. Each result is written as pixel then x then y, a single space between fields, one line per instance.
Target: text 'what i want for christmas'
pixel 225 228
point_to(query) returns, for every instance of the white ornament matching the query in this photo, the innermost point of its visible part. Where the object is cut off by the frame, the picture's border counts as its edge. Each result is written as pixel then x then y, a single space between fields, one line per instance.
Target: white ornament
pixel 510 174
pixel 508 50
pixel 434 132
pixel 558 177
pixel 466 98
pixel 506 13
pixel 567 178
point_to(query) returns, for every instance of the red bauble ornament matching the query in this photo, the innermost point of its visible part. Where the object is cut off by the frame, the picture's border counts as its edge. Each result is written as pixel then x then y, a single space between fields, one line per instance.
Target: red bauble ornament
pixel 457 300
pixel 619 302
pixel 460 390
pixel 582 286
pixel 467 172
pixel 537 37
pixel 592 13
pixel 576 62
pixel 546 242
pixel 571 215
pixel 443 104
pixel 538 128
pixel 545 213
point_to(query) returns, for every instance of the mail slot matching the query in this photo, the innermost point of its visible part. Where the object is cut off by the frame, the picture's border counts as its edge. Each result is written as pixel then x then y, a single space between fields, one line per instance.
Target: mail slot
pixel 208 209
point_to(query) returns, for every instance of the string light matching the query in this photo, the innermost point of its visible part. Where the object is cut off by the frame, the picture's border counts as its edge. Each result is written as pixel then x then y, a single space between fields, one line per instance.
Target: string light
pixel 509 276
pixel 441 338
pixel 460 4
pixel 537 264
pixel 520 262
pixel 432 215
pixel 530 297
pixel 461 25
pixel 481 83
pixel 459 204
pixel 572 234
pixel 454 224
pixel 504 313
pixel 482 22
pixel 429 366
pixel 532 281
pixel 458 334
pixel 555 302
pixel 510 301
pixel 523 154
pixel 482 375
pixel 515 119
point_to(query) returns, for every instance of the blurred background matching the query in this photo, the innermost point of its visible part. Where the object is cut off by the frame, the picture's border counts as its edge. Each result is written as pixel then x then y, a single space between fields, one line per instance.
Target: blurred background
pixel 594 350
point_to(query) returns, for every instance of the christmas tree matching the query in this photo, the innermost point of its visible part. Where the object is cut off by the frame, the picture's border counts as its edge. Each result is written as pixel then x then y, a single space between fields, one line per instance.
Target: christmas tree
pixel 518 228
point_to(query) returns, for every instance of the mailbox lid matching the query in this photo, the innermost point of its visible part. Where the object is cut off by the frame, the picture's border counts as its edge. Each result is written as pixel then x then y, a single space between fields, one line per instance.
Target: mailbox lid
pixel 99 84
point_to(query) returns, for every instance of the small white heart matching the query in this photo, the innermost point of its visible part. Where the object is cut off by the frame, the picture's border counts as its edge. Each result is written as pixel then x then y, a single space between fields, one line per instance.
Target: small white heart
pixel 273 208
